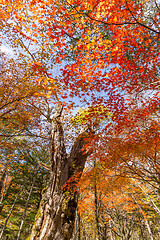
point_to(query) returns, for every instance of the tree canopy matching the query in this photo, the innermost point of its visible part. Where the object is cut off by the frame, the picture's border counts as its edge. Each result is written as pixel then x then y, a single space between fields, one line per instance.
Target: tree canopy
pixel 99 61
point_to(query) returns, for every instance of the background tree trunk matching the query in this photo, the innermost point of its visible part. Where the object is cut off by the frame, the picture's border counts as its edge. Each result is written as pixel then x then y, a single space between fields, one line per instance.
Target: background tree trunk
pixel 56 214
pixel 26 206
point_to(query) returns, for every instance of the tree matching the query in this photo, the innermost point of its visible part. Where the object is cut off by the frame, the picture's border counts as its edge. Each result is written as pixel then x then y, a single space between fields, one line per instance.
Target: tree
pixel 126 207
pixel 134 147
pixel 107 52
pixel 55 219
pixel 22 191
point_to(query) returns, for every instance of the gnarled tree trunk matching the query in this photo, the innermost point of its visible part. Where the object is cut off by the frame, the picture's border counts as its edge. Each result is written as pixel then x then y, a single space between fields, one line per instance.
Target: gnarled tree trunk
pixel 56 215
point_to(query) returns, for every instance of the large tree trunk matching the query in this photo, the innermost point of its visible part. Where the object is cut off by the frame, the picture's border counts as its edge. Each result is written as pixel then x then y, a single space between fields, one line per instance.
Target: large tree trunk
pixel 56 215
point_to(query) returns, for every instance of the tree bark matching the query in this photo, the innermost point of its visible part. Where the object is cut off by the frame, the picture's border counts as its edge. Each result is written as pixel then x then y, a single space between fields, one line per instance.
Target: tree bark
pixel 79 226
pixel 150 234
pixel 56 215
pixel 2 193
pixel 2 180
pixel 5 196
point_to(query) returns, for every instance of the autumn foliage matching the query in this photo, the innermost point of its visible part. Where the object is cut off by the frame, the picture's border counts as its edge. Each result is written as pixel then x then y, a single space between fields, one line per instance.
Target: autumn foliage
pixel 100 60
